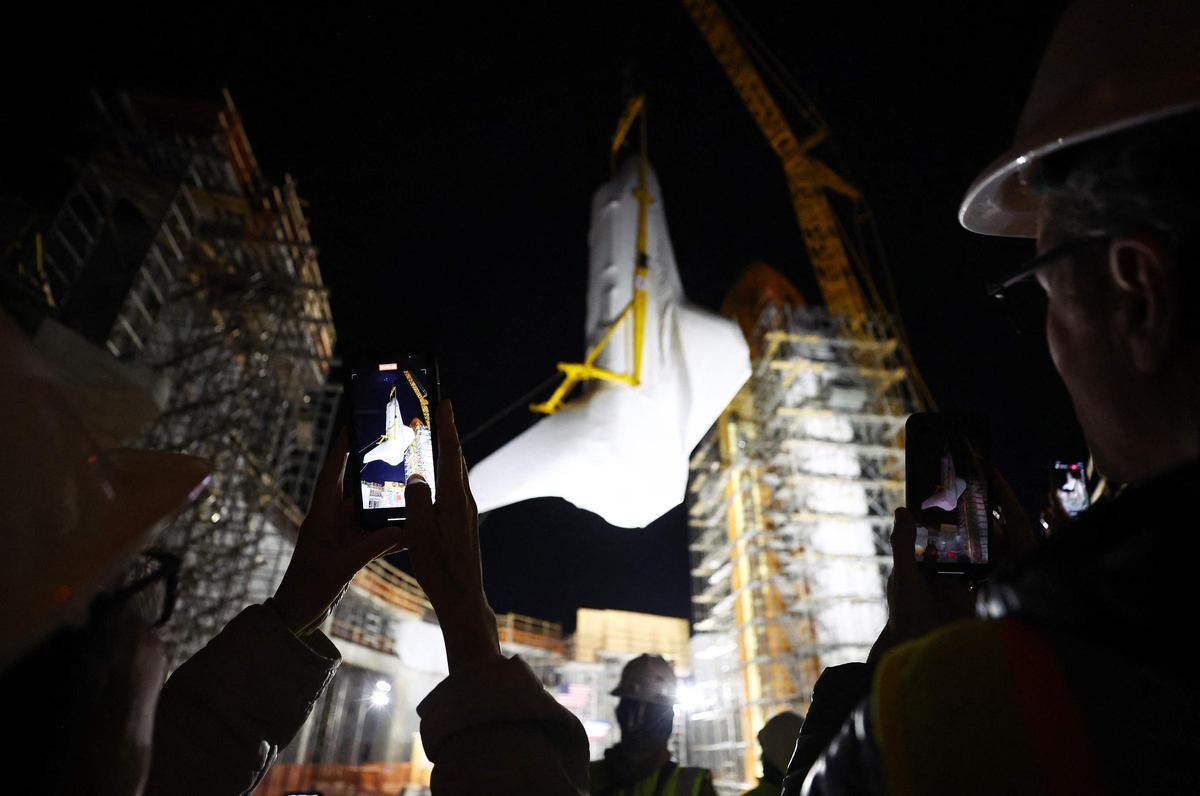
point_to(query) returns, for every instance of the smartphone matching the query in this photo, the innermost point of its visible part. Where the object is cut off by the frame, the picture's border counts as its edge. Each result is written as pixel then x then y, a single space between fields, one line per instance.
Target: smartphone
pixel 391 401
pixel 947 459
pixel 1069 482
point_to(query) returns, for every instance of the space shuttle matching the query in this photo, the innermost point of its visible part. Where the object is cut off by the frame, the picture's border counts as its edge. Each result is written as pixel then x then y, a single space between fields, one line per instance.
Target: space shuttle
pixel 396 437
pixel 618 450
pixel 950 488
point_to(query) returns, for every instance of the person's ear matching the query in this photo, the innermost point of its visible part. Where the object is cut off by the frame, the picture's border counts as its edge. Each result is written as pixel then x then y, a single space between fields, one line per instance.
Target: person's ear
pixel 1145 301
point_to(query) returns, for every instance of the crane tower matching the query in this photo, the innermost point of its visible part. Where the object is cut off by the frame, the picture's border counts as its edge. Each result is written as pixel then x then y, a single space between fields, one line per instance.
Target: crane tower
pixel 792 493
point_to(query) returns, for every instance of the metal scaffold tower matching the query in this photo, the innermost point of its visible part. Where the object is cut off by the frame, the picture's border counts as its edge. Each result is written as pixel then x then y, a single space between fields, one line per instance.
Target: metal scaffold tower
pixel 175 253
pixel 792 493
pixel 790 508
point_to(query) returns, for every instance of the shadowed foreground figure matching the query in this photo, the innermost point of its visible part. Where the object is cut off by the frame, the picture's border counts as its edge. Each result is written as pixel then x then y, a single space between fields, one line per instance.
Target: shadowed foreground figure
pixel 778 740
pixel 81 669
pixel 1063 683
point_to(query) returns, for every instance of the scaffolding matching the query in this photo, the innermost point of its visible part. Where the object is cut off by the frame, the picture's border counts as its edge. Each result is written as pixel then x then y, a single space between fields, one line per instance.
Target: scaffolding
pixel 790 506
pixel 173 251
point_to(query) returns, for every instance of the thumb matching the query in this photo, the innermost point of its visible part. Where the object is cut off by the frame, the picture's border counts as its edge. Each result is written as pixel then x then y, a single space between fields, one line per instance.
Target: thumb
pixel 418 502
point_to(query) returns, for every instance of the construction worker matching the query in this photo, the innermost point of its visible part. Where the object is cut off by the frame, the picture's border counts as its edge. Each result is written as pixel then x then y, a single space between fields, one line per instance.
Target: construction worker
pixel 1063 685
pixel 640 765
pixel 777 740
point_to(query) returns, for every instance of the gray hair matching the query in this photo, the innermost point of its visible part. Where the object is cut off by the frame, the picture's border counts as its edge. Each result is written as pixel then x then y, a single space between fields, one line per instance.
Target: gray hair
pixel 1146 179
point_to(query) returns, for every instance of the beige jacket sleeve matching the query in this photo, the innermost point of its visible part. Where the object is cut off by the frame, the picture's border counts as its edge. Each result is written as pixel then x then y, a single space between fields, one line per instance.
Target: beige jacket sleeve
pixel 493 728
pixel 226 712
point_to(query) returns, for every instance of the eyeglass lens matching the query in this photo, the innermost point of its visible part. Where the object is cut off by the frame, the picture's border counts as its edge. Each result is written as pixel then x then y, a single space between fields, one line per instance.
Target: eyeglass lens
pixel 150 587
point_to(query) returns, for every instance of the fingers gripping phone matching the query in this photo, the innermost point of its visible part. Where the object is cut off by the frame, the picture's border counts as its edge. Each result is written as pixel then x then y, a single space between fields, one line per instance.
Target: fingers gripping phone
pixel 947 459
pixel 391 403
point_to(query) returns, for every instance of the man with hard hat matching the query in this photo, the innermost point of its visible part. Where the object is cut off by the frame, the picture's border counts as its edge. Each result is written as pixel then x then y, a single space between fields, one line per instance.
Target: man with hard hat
pixel 81 670
pixel 1063 684
pixel 640 765
pixel 777 739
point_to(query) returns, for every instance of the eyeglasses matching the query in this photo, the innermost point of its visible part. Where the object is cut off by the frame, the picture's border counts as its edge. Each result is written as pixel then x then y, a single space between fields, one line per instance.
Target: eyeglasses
pixel 1022 298
pixel 150 590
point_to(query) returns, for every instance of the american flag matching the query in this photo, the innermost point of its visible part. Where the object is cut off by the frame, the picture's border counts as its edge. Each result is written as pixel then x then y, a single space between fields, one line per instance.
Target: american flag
pixel 574 697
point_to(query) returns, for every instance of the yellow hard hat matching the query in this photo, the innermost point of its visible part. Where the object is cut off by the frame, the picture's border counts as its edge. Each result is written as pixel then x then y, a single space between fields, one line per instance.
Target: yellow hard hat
pixel 74 509
pixel 1110 65
pixel 647 678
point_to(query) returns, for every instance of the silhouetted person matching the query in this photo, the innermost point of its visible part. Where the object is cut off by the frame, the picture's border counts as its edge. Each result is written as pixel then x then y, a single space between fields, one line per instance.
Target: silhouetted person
pixel 777 739
pixel 1062 685
pixel 640 763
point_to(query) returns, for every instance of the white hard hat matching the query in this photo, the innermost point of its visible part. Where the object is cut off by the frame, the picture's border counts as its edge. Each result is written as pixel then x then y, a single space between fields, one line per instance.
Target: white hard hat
pixel 648 678
pixel 74 508
pixel 1110 65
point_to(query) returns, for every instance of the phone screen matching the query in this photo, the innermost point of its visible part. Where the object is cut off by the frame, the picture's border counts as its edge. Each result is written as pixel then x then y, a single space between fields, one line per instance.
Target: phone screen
pixel 392 401
pixel 947 458
pixel 1070 484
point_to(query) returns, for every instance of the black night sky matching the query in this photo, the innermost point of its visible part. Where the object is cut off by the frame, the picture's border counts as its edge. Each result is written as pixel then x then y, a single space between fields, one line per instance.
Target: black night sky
pixel 449 151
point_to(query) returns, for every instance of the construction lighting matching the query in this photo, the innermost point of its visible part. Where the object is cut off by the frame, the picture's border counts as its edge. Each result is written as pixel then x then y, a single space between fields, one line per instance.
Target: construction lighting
pixel 379 697
pixel 691 698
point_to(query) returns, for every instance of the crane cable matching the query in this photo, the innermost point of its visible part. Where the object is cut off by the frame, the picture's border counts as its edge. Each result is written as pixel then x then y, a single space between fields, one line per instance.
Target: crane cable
pixel 520 403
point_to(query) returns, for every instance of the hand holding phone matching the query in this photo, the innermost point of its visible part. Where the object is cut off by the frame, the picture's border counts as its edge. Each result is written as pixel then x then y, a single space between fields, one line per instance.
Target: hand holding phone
pixel 330 549
pixel 443 545
pixel 918 602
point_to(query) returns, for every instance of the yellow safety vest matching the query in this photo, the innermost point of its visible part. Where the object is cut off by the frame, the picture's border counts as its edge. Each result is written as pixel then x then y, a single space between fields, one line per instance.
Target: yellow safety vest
pixel 678 781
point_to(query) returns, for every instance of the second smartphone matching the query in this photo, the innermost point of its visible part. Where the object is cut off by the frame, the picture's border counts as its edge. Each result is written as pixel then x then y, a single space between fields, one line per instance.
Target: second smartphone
pixel 947 459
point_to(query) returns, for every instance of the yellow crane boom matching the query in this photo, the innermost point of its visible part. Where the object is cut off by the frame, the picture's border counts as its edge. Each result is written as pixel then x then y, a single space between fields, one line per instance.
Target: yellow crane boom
pixel 807 177
pixel 808 180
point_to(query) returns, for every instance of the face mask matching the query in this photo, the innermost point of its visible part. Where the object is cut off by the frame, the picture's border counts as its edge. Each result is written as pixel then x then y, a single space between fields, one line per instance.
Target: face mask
pixel 645 730
pixel 643 723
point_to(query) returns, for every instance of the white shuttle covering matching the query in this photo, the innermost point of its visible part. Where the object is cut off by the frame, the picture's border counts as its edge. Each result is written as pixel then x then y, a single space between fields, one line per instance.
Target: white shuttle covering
pixel 619 451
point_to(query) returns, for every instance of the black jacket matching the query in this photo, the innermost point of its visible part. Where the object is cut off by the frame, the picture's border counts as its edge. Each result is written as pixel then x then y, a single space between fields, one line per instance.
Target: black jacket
pixel 1096 689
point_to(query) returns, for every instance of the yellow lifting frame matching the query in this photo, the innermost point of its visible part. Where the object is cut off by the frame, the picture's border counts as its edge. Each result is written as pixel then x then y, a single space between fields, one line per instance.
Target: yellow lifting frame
pixel 575 372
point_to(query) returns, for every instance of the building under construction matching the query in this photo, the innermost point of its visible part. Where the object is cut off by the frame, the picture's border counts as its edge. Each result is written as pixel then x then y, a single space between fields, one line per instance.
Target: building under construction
pixel 173 252
pixel 792 493
pixel 790 508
